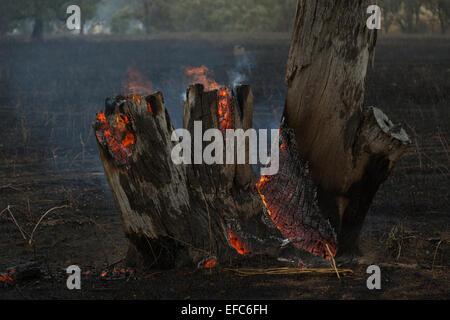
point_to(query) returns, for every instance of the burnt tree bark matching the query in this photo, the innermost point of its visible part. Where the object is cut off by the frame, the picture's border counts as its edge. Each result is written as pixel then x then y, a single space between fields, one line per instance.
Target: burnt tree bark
pixel 351 149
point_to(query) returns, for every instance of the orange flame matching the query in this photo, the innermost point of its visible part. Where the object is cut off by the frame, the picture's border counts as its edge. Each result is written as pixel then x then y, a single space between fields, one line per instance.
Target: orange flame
pixel 262 181
pixel 237 243
pixel 210 263
pixel 200 75
pixel 224 110
pixel 5 277
pixel 137 83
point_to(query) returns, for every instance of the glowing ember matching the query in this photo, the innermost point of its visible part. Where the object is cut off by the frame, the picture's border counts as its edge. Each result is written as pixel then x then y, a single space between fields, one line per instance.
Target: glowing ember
pixel 7 277
pixel 286 201
pixel 207 263
pixel 225 110
pixel 137 83
pixel 139 98
pixel 236 242
pixel 210 263
pixel 117 274
pixel 116 137
pixel 149 107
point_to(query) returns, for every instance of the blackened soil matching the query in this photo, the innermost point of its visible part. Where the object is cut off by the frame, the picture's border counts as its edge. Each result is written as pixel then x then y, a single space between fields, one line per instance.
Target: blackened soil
pixel 50 91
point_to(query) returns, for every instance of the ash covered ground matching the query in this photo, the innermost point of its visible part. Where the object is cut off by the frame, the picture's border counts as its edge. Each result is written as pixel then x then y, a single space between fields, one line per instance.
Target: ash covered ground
pixel 50 92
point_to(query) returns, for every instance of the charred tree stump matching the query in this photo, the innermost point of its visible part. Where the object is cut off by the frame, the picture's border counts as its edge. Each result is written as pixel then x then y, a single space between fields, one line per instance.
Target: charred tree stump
pixel 182 214
pixel 351 149
pixel 334 154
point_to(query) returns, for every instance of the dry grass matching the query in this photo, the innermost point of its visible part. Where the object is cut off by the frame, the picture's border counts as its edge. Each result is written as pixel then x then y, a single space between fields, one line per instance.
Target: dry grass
pixel 29 237
pixel 286 271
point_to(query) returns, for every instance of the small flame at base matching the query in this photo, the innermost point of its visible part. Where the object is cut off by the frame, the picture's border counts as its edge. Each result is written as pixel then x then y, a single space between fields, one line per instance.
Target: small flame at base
pixel 236 242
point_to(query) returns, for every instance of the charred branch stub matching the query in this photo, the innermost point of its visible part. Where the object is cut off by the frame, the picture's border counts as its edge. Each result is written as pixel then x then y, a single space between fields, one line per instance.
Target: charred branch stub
pixel 203 214
pixel 291 200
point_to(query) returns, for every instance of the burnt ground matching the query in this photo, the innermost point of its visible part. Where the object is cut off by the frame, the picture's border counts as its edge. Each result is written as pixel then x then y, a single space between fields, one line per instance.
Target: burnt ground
pixel 50 91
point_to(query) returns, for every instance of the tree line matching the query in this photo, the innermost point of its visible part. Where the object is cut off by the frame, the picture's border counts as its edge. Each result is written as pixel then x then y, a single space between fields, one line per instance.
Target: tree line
pixel 35 17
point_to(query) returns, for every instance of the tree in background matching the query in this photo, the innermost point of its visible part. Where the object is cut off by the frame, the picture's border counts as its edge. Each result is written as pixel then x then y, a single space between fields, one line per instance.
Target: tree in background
pixel 390 10
pixel 88 10
pixel 440 9
pixel 208 15
pixel 12 12
pixel 410 18
pixel 42 13
pixel 201 15
pixel 120 21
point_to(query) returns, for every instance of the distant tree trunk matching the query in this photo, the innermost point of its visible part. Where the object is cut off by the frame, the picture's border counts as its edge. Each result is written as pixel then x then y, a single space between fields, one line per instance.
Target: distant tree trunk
pixel 38 29
pixel 443 10
pixel 3 27
pixel 351 149
pixel 146 21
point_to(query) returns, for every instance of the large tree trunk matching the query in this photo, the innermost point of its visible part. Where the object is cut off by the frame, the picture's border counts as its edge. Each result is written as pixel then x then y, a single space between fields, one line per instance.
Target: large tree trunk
pixel 351 149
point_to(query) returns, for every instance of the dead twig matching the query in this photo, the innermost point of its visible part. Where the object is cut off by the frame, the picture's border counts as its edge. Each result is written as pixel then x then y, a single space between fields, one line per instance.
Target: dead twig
pixel 30 242
pixel 22 232
pixel 26 236
pixel 9 186
pixel 435 253
pixel 285 271
pixel 332 261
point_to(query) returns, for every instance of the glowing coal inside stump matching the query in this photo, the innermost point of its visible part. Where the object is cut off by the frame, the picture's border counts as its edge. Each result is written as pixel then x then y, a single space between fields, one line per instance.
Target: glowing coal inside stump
pixel 225 110
pixel 115 136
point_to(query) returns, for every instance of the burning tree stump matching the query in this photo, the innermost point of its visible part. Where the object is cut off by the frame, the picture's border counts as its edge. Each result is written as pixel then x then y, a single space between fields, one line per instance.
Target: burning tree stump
pixel 178 214
pixel 351 149
pixel 334 154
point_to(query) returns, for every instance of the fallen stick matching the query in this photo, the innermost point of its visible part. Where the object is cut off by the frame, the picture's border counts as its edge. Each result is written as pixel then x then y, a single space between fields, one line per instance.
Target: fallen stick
pixel 286 271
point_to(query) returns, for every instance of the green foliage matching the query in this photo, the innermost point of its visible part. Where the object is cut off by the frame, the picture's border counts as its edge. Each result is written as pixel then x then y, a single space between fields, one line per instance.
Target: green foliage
pixel 203 15
pixel 215 15
pixel 120 22
pixel 43 13
pixel 408 14
pixel 12 12
pixel 441 10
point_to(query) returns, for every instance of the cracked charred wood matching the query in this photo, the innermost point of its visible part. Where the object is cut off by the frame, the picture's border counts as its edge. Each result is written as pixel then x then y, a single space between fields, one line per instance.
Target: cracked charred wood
pixel 351 148
pixel 290 197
